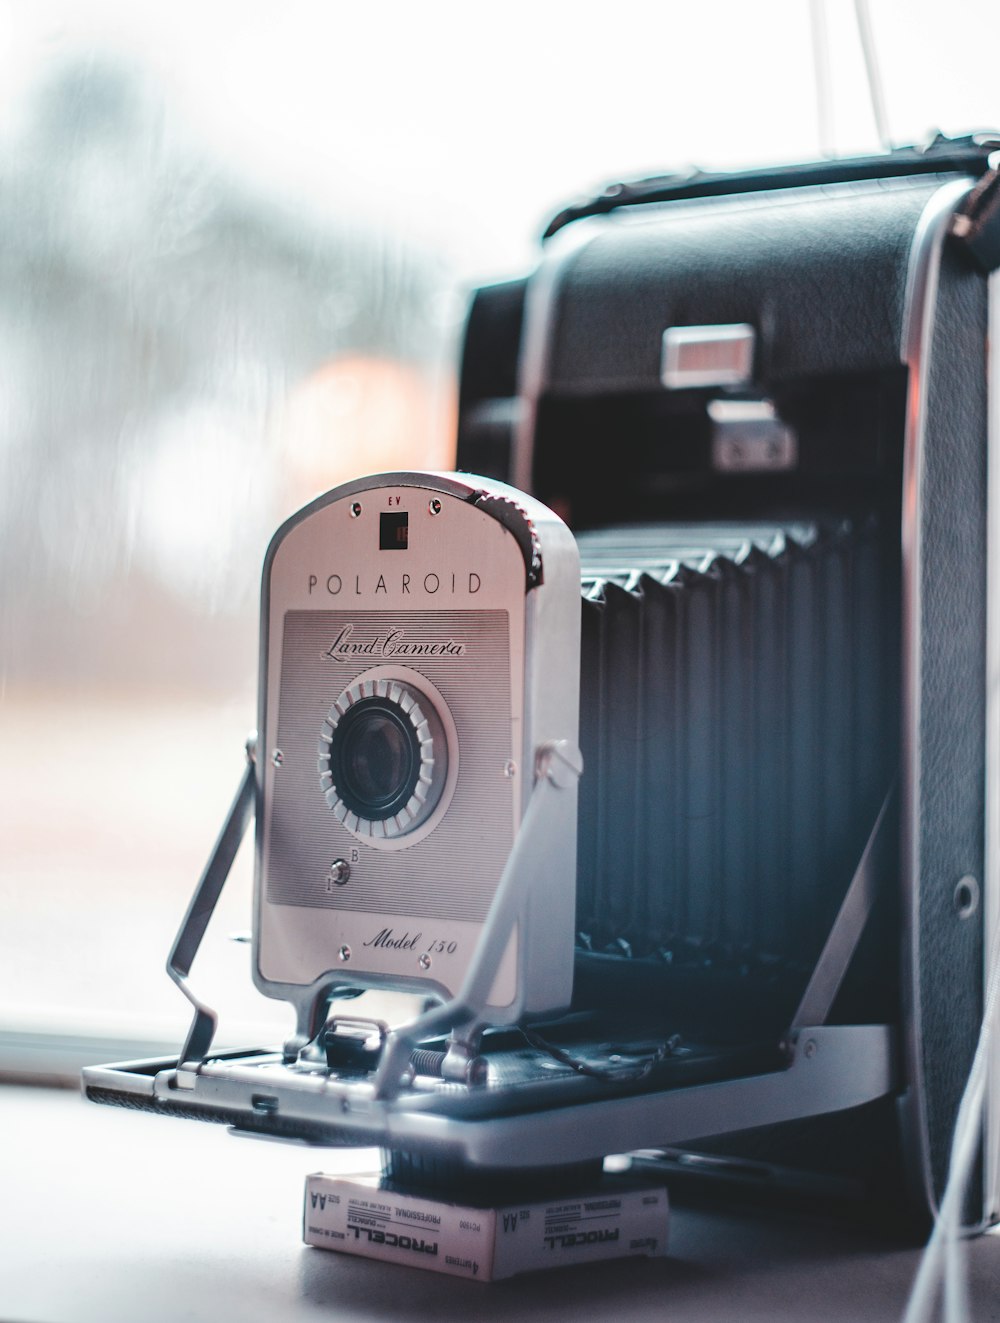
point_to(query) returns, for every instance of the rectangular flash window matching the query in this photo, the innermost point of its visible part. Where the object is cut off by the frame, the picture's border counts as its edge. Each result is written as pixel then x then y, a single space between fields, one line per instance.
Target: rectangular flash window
pixel 393 530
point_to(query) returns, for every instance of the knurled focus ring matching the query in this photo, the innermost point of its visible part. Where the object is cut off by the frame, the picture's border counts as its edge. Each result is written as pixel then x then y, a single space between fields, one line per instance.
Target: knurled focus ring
pixel 382 758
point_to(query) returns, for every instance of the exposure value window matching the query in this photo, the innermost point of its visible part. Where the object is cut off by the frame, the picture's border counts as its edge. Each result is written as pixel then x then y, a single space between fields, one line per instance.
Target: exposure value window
pixel 394 530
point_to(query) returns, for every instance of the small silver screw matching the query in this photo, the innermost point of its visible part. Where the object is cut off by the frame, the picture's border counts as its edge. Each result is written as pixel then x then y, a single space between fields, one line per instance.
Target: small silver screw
pixel 277 757
pixel 355 509
pixel 810 1049
pixel 434 506
pixel 510 769
pixel 966 896
pixel 344 953
pixel 424 961
pixel 340 871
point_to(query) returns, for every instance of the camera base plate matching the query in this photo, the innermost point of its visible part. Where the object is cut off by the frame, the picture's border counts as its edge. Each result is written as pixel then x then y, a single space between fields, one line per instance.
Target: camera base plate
pixel 709 1091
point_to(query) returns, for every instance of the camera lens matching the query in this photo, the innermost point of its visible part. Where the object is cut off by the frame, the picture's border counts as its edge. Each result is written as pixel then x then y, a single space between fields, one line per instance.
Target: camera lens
pixel 375 759
pixel 383 757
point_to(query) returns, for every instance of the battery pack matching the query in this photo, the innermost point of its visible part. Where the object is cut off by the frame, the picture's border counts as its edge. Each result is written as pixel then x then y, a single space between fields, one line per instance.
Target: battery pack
pixel 367 1216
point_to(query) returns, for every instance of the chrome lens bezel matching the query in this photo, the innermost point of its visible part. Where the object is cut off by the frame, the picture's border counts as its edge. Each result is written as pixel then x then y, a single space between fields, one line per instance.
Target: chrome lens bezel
pixel 430 722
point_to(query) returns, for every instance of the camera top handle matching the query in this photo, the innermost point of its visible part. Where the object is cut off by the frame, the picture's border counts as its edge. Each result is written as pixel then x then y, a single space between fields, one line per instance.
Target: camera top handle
pixel 977 221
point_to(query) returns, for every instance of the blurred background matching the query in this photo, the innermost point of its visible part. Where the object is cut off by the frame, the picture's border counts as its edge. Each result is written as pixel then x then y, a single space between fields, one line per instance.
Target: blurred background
pixel 238 241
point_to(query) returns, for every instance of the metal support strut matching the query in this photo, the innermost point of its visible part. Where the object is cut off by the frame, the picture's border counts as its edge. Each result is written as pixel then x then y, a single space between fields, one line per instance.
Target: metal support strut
pixel 557 766
pixel 200 910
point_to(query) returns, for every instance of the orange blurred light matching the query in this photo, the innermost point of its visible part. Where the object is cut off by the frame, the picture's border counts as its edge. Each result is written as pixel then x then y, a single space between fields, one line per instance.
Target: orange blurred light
pixel 360 415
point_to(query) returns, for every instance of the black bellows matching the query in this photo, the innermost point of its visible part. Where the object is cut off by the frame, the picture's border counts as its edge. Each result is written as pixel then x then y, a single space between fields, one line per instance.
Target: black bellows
pixel 736 727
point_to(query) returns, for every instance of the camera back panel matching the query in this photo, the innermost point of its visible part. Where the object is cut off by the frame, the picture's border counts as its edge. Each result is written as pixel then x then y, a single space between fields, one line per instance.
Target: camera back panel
pixel 868 324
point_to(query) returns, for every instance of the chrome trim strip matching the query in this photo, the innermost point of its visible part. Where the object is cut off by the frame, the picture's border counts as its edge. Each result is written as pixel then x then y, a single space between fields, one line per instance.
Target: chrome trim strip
pixel 915 351
pixel 536 337
pixel 822 988
pixel 991 854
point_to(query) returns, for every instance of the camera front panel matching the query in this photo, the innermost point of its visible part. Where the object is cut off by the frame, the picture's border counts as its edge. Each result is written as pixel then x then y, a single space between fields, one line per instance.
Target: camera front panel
pixel 391 761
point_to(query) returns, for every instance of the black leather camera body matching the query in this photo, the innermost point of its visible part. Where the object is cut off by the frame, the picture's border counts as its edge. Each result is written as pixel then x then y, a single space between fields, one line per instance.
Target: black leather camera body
pixel 766 405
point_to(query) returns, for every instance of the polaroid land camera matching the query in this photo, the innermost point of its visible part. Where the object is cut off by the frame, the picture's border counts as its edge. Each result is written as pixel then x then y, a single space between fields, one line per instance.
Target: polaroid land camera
pixel 756 942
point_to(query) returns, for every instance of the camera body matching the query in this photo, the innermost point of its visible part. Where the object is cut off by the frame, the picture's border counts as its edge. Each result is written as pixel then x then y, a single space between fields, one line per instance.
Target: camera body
pixel 419 641
pixel 766 408
pixel 801 354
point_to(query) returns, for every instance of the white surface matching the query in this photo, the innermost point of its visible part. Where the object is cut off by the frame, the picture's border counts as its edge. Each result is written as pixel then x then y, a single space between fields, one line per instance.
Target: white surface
pixel 113 1215
pixel 465 125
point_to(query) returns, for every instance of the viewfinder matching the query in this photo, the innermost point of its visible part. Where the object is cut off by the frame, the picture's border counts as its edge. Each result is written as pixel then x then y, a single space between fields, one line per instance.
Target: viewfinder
pixel 394 530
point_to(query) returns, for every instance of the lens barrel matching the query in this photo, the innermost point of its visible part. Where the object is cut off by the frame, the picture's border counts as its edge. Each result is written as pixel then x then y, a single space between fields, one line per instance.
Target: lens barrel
pixel 375 759
pixel 383 758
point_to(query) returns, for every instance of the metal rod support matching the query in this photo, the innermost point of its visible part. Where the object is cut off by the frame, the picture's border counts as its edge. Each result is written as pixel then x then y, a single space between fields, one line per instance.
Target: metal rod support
pixel 200 910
